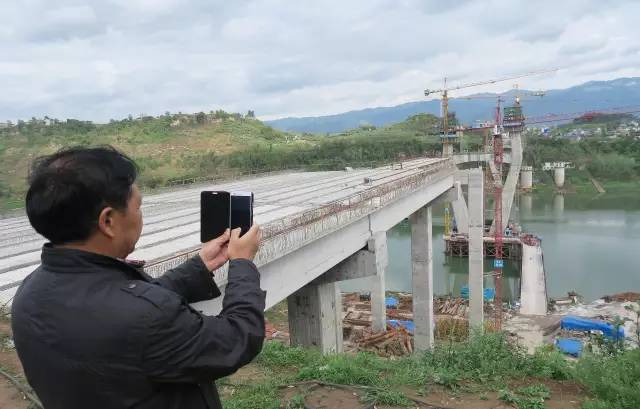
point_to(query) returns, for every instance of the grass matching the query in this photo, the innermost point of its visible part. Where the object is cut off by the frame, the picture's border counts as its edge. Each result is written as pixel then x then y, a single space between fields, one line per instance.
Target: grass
pixel 483 363
pixel 613 380
pixel 489 361
pixel 383 396
pixel 526 398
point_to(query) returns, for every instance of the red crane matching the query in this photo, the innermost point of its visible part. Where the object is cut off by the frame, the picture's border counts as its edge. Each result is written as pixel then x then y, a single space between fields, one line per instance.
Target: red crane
pixel 447 88
pixel 498 156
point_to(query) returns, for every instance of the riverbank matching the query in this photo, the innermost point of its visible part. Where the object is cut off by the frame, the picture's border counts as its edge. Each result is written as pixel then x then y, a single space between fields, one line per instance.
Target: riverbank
pixel 580 182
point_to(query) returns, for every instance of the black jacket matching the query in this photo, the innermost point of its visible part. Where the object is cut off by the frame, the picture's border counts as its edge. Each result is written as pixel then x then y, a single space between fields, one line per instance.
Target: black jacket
pixel 94 332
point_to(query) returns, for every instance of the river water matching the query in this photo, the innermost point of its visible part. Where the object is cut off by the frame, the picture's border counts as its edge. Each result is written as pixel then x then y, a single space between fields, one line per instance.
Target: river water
pixel 591 245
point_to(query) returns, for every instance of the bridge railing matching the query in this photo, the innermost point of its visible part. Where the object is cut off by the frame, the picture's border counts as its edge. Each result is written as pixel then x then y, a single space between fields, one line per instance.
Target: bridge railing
pixel 309 225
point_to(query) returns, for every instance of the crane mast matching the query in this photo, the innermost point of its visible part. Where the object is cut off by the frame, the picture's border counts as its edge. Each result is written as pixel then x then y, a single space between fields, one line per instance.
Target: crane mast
pixel 447 139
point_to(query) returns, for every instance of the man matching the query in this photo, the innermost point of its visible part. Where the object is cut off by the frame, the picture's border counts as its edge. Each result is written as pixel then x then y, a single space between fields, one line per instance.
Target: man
pixel 93 331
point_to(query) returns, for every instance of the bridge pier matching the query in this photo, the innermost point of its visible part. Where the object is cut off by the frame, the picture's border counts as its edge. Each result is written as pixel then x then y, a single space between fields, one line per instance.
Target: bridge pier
pixel 533 293
pixel 422 278
pixel 315 317
pixel 315 310
pixel 378 244
pixel 476 256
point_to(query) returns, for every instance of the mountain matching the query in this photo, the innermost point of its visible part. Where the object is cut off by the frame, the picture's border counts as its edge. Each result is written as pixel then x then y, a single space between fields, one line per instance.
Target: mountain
pixel 591 95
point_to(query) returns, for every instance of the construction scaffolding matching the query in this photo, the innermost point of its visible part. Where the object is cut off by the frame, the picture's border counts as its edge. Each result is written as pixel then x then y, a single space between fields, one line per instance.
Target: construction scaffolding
pixel 458 246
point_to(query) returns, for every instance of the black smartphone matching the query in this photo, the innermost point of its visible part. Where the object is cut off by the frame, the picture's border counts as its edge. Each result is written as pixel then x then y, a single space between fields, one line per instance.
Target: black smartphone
pixel 241 211
pixel 215 214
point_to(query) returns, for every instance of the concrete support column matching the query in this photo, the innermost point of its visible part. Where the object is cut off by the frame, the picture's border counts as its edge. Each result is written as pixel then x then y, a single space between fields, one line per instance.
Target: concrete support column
pixel 476 257
pixel 533 290
pixel 378 245
pixel 558 177
pixel 526 177
pixel 315 317
pixel 422 278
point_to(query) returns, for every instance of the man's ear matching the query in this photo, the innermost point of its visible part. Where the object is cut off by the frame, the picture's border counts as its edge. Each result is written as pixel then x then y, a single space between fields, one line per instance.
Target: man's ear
pixel 105 222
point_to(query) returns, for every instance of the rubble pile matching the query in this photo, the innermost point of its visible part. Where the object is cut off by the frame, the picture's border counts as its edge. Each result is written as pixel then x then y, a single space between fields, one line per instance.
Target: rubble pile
pixel 535 331
pixel 395 341
pixel 450 314
pixel 451 306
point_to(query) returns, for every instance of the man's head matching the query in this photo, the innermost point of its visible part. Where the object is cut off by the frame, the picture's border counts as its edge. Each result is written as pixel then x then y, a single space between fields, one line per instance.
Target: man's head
pixel 86 197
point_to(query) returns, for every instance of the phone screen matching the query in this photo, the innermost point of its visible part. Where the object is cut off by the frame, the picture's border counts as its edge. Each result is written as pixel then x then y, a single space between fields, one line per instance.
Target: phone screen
pixel 215 214
pixel 241 211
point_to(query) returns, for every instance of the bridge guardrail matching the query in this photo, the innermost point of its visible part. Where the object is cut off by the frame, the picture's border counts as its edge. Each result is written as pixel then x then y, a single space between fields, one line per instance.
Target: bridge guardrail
pixel 327 217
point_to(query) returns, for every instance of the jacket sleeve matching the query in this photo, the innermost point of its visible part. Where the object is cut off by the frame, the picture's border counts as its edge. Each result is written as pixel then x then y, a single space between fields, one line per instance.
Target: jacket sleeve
pixel 191 279
pixel 183 345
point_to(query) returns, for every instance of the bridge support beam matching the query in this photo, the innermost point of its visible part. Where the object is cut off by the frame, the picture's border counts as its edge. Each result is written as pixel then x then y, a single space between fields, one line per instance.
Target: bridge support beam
pixel 460 210
pixel 476 259
pixel 422 278
pixel 315 317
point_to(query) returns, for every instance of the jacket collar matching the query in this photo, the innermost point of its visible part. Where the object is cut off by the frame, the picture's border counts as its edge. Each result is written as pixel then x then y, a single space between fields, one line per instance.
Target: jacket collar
pixel 66 260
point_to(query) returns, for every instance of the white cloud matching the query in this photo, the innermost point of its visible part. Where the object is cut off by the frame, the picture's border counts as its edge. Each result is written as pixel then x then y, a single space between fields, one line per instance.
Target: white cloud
pixel 106 59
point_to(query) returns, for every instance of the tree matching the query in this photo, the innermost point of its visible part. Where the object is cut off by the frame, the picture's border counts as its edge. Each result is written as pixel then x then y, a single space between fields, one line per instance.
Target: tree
pixel 200 117
pixel 220 114
pixel 251 114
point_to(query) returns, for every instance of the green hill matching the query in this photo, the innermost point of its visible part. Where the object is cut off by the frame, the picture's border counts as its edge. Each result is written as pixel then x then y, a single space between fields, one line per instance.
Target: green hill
pixel 175 147
pixel 164 147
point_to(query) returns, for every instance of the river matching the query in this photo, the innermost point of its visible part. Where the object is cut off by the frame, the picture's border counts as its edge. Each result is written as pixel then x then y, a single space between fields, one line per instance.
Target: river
pixel 591 245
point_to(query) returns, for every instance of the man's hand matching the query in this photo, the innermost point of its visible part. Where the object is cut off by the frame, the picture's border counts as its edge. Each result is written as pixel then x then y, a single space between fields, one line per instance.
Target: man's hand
pixel 214 253
pixel 246 246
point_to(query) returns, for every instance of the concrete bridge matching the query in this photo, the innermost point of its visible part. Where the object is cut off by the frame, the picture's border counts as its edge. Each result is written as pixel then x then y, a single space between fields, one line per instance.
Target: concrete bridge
pixel 319 228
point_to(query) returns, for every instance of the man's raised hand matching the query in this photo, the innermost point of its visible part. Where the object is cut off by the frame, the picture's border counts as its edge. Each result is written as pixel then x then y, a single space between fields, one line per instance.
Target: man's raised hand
pixel 214 253
pixel 244 247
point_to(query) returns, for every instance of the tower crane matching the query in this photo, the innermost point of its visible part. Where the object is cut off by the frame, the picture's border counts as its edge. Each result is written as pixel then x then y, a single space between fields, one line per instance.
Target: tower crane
pixel 444 91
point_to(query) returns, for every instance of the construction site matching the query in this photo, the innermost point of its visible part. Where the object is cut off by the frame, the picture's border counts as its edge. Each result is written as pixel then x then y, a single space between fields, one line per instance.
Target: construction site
pixel 482 223
pixel 325 228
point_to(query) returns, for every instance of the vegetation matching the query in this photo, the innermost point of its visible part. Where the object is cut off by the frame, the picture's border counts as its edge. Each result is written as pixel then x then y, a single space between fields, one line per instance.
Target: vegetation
pixel 482 364
pixel 617 159
pixel 530 397
pixel 614 381
pixel 487 361
pixel 178 147
pixel 175 147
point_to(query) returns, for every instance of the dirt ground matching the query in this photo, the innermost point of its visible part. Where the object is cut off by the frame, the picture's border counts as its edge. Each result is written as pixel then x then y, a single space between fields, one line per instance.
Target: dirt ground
pixel 10 396
pixel 563 396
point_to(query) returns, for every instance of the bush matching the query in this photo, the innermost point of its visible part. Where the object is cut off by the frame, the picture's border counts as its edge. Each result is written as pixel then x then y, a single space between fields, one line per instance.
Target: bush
pixel 612 166
pixel 483 358
pixel 612 379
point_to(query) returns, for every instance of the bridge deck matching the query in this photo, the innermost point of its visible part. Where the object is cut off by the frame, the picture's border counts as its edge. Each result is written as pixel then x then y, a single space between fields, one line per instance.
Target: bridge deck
pixel 283 204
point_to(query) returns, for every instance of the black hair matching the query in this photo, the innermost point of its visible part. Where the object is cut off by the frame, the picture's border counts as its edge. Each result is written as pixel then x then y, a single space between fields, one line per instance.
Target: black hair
pixel 69 189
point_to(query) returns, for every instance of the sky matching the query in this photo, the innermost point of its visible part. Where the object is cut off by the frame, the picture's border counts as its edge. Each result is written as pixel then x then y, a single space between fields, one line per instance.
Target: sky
pixel 103 59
